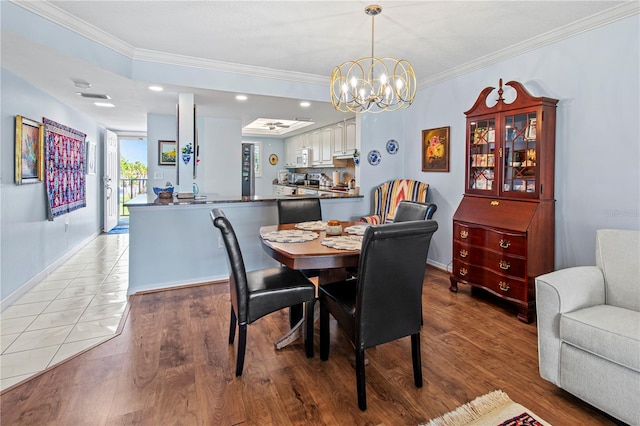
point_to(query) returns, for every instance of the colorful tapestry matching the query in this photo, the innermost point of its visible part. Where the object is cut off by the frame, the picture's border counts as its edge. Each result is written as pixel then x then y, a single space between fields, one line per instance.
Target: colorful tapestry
pixel 65 167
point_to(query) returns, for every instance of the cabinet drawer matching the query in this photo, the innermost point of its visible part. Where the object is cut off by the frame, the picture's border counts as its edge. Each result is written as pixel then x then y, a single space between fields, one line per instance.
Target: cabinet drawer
pixel 490 238
pixel 494 261
pixel 498 283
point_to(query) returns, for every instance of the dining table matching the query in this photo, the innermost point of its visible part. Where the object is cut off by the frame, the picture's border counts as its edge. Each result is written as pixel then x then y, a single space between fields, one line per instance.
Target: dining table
pixel 330 262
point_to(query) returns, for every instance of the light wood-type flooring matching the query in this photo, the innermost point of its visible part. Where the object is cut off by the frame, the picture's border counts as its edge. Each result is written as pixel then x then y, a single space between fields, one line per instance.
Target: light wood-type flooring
pixel 172 365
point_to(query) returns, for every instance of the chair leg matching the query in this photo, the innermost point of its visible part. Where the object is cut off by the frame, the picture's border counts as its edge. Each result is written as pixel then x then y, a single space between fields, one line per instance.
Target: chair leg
pixel 417 363
pixel 308 338
pixel 232 327
pixel 295 314
pixel 242 345
pixel 360 380
pixel 324 332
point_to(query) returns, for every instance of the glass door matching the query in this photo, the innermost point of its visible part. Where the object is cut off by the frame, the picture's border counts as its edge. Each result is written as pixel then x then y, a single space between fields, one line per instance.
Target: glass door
pixel 519 154
pixel 482 161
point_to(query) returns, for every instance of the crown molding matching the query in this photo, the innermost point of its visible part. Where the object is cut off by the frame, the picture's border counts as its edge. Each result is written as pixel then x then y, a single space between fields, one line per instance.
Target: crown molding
pixel 54 14
pixel 589 23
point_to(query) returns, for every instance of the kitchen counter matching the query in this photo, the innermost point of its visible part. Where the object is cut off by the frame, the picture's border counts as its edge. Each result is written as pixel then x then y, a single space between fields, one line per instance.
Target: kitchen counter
pixel 153 200
pixel 173 243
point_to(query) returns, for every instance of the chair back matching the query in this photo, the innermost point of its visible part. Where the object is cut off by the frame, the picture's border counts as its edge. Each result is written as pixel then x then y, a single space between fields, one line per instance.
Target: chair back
pixel 296 210
pixel 387 196
pixel 391 272
pixel 237 272
pixel 618 256
pixel 413 210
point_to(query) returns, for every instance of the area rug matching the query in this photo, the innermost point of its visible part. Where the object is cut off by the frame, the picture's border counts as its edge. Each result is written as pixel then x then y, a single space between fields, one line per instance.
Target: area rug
pixel 492 409
pixel 120 229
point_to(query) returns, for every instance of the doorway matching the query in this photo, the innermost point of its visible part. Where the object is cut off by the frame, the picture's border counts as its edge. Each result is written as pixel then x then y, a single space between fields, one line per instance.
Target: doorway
pixel 132 180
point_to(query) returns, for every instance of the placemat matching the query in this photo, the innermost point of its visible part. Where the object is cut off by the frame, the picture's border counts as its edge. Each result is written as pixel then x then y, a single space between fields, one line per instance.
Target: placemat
pixel 290 236
pixel 316 225
pixel 356 229
pixel 343 242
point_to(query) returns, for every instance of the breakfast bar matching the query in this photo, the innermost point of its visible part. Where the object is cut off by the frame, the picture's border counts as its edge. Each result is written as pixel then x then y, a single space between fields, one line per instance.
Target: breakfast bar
pixel 173 242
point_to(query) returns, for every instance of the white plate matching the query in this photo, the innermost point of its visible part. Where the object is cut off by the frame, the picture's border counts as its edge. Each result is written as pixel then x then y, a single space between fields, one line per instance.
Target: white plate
pixel 290 236
pixel 374 157
pixel 316 225
pixel 356 229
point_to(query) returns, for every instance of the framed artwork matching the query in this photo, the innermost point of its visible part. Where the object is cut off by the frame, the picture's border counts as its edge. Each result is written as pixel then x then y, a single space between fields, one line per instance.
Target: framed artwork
pixel 90 161
pixel 29 151
pixel 435 150
pixel 167 153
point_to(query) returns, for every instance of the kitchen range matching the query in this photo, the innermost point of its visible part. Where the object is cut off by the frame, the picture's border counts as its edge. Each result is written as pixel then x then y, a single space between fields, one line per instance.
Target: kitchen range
pixel 310 184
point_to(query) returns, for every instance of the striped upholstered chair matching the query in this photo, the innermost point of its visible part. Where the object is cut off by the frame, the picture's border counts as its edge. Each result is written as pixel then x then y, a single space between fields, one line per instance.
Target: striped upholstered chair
pixel 387 196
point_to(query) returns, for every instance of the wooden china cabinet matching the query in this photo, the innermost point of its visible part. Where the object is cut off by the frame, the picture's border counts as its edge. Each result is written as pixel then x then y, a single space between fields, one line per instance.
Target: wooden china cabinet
pixel 503 229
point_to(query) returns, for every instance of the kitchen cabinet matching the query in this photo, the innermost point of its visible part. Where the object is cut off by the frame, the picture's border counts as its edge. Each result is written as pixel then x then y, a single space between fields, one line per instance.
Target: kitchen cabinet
pixel 344 138
pixel 316 147
pixel 504 226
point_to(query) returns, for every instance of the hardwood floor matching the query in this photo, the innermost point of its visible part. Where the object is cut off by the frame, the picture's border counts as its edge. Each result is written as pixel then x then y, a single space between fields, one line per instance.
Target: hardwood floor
pixel 172 365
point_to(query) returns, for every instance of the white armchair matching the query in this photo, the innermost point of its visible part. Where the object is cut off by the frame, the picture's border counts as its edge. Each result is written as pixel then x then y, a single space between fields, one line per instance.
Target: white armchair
pixel 588 322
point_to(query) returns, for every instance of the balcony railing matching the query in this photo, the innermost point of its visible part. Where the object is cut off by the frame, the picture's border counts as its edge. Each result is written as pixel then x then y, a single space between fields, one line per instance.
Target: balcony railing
pixel 130 188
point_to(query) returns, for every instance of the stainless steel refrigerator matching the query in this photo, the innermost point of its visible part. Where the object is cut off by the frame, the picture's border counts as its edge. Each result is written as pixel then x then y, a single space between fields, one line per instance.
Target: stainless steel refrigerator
pixel 248 174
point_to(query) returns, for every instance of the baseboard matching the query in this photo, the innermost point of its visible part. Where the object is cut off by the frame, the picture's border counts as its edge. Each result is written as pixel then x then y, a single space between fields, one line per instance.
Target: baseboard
pixel 24 289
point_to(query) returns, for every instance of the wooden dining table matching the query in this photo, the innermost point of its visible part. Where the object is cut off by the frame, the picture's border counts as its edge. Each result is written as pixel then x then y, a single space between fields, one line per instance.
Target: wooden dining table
pixel 331 263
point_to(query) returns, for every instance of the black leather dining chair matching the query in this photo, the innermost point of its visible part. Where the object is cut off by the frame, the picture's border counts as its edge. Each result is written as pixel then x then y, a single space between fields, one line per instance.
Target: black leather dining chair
pixel 296 210
pixel 384 303
pixel 414 210
pixel 257 293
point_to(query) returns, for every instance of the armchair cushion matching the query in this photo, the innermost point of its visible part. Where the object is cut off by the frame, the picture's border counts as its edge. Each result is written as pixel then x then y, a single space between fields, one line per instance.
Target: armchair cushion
pixel 609 331
pixel 387 196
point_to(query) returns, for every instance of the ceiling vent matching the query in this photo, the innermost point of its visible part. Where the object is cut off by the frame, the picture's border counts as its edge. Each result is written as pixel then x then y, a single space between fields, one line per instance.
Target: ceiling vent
pixel 94 96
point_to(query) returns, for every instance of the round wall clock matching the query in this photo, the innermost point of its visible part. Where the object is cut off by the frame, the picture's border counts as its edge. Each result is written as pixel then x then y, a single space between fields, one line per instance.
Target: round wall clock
pixel 273 159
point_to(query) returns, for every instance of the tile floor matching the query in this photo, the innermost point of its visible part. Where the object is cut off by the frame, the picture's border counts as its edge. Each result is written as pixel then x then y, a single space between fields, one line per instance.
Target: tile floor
pixel 77 306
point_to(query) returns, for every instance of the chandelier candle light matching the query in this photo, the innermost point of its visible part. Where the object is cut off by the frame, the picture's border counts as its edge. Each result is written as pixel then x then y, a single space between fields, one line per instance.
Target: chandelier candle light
pixel 373 84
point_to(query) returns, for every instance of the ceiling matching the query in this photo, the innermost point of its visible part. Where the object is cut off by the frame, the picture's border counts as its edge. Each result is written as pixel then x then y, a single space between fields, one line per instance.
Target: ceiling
pixel 305 39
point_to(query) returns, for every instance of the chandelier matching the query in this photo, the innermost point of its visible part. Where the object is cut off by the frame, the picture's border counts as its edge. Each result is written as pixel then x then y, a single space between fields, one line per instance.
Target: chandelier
pixel 373 84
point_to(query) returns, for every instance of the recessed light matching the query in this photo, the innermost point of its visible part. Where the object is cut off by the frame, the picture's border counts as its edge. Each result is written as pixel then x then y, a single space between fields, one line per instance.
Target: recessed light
pixel 156 88
pixel 81 84
pixel 104 104
pixel 241 97
pixel 305 104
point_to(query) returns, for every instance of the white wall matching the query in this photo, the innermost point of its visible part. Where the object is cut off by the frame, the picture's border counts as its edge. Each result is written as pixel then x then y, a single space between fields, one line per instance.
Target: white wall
pixel 31 243
pixel 595 76
pixel 160 128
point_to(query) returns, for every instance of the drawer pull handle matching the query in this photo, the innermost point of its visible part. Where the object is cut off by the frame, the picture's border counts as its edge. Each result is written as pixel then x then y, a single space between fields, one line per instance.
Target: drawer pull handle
pixel 464 234
pixel 504 265
pixel 463 272
pixel 464 253
pixel 503 286
pixel 505 243
pixel 495 203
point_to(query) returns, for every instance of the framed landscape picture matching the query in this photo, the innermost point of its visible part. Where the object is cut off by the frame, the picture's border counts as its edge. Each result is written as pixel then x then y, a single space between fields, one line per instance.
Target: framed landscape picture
pixel 167 153
pixel 435 150
pixel 29 151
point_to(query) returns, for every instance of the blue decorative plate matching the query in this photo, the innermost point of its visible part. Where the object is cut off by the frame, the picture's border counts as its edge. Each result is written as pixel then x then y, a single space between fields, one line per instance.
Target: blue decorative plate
pixel 374 157
pixel 392 146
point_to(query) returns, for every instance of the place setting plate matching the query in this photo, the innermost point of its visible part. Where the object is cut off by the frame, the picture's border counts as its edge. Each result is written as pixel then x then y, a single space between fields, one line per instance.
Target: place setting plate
pixel 343 242
pixel 356 229
pixel 290 236
pixel 316 225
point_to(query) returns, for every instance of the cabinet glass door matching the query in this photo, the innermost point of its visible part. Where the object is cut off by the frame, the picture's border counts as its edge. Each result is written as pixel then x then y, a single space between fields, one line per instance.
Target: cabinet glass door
pixel 482 145
pixel 519 154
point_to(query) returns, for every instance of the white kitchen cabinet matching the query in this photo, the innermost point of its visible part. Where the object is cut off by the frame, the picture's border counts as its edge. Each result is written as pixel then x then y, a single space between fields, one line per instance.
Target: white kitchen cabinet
pixel 344 139
pixel 316 147
pixel 326 153
pixel 290 152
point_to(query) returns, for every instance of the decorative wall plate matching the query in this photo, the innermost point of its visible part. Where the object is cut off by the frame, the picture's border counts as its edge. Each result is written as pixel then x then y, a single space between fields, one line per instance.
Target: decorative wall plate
pixel 273 159
pixel 392 146
pixel 374 157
